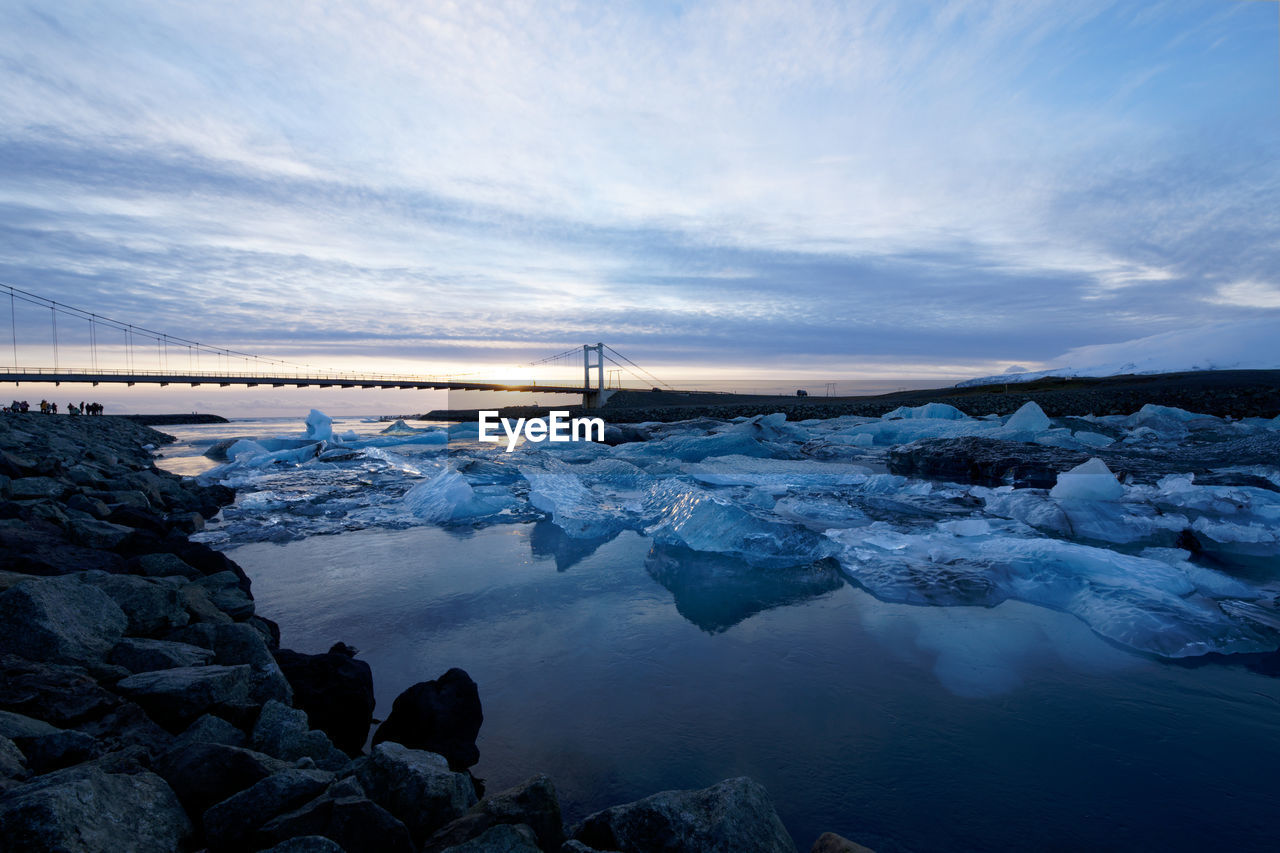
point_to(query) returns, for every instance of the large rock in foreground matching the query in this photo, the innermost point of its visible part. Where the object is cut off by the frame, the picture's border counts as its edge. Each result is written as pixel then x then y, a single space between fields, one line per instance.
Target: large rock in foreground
pixel 728 817
pixel 532 803
pixel 335 690
pixel 87 809
pixel 417 787
pixel 441 716
pixel 59 619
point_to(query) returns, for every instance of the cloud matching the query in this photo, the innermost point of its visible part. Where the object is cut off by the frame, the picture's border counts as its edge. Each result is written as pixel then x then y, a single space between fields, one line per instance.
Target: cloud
pixel 758 183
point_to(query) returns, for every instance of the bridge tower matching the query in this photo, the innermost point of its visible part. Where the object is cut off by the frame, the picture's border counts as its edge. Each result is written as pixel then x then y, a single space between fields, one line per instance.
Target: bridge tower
pixel 593 398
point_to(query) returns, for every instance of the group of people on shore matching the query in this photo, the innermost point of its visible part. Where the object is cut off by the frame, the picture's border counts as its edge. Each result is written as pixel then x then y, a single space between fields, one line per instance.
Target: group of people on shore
pixel 47 407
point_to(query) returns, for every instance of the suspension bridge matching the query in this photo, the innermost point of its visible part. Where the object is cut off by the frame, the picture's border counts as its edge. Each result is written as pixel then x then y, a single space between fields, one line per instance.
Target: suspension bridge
pixel 114 351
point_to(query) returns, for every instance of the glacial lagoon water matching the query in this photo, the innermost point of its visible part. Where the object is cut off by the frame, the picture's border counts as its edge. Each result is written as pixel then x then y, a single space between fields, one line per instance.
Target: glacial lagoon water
pixel 623 663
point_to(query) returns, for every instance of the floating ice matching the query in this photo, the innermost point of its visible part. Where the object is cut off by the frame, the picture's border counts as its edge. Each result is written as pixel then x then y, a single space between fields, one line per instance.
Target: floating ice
pixel 1027 420
pixel 574 508
pixel 449 497
pixel 400 428
pixel 319 426
pixel 705 521
pixel 1146 604
pixel 1088 481
pixel 751 471
pixel 928 410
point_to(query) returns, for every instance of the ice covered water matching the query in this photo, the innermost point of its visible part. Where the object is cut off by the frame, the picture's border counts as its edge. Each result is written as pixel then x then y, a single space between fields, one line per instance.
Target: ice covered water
pixel 1143 564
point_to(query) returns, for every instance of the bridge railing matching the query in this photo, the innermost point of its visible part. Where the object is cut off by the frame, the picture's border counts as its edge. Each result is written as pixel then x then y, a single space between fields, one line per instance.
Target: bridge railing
pixel 215 374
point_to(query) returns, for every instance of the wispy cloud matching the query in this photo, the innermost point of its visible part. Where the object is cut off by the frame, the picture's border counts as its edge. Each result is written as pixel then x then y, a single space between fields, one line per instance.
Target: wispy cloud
pixel 762 182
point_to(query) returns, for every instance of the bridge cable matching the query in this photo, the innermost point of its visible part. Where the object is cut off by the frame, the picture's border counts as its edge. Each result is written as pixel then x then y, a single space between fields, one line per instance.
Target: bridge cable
pixel 636 366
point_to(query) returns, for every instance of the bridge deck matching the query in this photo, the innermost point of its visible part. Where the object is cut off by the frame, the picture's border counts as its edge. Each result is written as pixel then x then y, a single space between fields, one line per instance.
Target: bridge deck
pixel 94 377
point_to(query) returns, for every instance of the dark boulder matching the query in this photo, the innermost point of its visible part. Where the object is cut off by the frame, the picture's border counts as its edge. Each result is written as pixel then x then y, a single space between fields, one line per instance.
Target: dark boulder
pixel 163 565
pixel 335 690
pixel 501 838
pixel 357 824
pixel 60 694
pixel 88 809
pixel 36 547
pixel 202 774
pixel 285 733
pixel 13 765
pixel 211 729
pixel 533 803
pixel 127 727
pixel 59 749
pixel 142 655
pixel 174 698
pixel 734 815
pixel 228 825
pixel 241 643
pixel 227 594
pixel 417 787
pixel 441 716
pixel 59 619
pixel 151 606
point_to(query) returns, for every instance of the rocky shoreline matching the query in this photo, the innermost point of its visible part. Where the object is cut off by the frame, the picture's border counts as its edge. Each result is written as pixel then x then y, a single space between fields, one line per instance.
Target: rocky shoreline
pixel 144 705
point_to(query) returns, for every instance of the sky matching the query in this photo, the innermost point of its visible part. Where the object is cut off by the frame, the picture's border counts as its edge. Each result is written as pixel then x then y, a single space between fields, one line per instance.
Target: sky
pixel 851 189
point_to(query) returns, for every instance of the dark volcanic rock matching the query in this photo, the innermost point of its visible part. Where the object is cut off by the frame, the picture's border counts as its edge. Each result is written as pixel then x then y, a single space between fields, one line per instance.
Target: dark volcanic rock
pixel 211 729
pixel 89 809
pixel 228 825
pixel 13 765
pixel 176 697
pixel 442 716
pixel 206 773
pixel 284 732
pixel 501 838
pixel 228 595
pixel 417 787
pixel 59 619
pixel 152 606
pixel 60 749
pixel 731 816
pixel 60 694
pixel 357 824
pixel 126 727
pixel 142 655
pixel 533 803
pixel 335 690
pixel 39 548
pixel 241 643
pixel 164 565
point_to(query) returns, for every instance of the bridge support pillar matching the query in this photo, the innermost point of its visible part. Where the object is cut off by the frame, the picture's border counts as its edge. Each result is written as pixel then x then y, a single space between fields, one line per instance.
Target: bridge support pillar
pixel 593 398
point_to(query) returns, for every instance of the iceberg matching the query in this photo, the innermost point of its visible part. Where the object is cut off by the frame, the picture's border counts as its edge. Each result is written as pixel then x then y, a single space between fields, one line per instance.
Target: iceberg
pixel 928 410
pixel 1028 420
pixel 1088 481
pixel 754 471
pixel 449 497
pixel 400 428
pixel 1151 605
pixel 705 521
pixel 319 426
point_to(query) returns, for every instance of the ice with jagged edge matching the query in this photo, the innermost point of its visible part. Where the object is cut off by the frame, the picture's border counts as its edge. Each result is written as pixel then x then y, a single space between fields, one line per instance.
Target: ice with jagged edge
pixel 774 493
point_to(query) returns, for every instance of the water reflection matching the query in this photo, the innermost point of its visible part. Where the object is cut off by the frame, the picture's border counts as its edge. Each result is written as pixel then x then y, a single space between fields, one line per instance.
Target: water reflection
pixel 716 592
pixel 547 540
